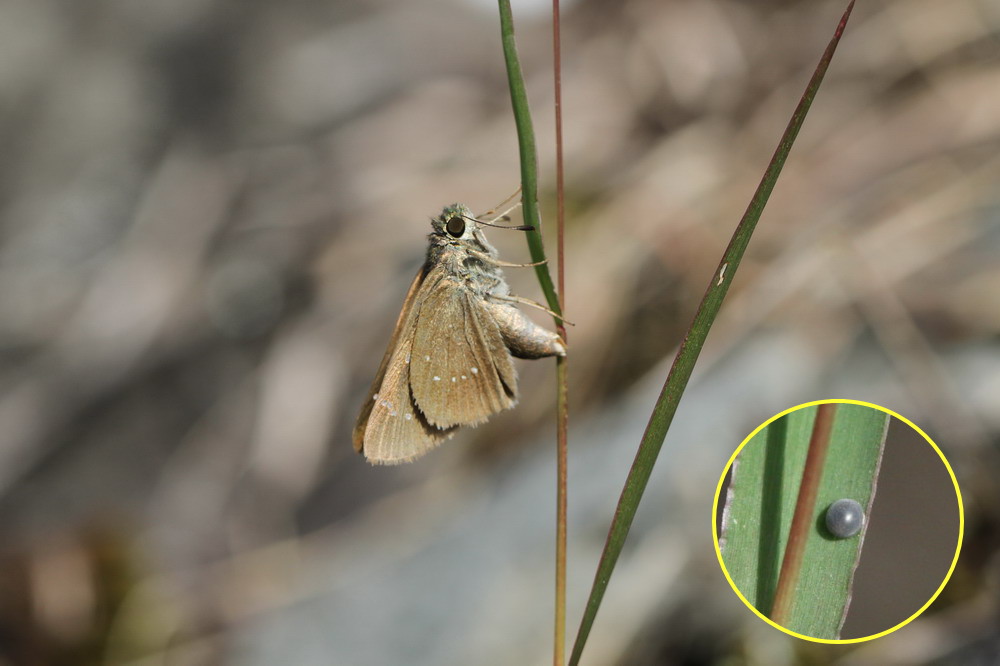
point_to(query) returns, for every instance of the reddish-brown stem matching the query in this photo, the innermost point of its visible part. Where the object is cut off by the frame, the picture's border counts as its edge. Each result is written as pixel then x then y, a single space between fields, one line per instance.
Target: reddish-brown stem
pixel 802 520
pixel 562 406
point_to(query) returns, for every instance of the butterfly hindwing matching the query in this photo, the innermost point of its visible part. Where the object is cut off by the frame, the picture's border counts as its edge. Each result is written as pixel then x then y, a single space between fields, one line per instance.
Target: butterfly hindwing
pixel 390 429
pixel 397 432
pixel 402 321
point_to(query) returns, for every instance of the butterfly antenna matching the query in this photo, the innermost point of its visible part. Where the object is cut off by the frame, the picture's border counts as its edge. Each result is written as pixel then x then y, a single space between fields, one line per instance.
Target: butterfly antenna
pixel 523 227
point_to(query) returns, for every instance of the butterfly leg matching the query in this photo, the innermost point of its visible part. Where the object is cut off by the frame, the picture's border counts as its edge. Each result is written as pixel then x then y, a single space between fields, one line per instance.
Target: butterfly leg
pixel 510 298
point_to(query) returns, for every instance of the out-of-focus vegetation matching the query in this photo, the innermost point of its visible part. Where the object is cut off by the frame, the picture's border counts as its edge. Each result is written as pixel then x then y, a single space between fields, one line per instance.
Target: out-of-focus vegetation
pixel 210 211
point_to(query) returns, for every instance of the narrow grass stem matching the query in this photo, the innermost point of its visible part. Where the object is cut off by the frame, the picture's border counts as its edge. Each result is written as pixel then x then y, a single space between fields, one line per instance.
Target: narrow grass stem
pixel 528 154
pixel 562 401
pixel 529 198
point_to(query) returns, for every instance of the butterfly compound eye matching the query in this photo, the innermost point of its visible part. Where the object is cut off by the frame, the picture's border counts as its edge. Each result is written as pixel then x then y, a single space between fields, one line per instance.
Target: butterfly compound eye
pixel 455 226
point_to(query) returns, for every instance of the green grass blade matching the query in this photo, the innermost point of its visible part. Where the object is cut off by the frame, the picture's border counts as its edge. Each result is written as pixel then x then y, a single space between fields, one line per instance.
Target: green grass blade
pixel 529 155
pixel 680 372
pixel 757 522
pixel 763 496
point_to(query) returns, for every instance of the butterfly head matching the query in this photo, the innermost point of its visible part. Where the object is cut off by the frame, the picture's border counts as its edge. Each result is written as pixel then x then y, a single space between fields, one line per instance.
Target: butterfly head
pixel 457 226
pixel 456 222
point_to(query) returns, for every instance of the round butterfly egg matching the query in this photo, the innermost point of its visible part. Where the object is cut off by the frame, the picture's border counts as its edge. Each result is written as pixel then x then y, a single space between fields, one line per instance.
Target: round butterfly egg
pixel 845 518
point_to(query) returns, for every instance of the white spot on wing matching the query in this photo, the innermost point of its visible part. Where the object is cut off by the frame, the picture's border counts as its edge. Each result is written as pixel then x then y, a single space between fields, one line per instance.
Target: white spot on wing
pixel 475 370
pixel 436 378
pixel 427 358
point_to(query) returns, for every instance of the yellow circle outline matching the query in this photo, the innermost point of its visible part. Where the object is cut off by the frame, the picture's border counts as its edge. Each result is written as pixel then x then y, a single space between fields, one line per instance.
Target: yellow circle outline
pixel 954 561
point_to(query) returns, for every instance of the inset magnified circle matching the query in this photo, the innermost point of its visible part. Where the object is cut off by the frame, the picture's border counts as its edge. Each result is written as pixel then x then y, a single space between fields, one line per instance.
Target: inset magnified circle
pixel 838 521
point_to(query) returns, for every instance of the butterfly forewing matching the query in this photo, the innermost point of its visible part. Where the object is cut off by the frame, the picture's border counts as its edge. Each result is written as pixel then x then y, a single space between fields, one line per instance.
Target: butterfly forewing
pixel 483 327
pixel 461 372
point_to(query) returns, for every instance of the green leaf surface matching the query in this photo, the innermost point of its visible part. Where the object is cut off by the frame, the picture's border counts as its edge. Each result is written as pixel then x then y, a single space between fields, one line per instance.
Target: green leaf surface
pixel 762 499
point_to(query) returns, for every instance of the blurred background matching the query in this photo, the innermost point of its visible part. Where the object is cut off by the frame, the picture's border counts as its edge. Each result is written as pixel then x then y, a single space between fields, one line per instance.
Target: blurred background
pixel 210 211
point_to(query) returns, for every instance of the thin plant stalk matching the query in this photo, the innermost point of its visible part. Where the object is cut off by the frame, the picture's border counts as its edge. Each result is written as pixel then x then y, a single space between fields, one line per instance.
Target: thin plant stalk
pixel 562 401
pixel 529 157
pixel 529 198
